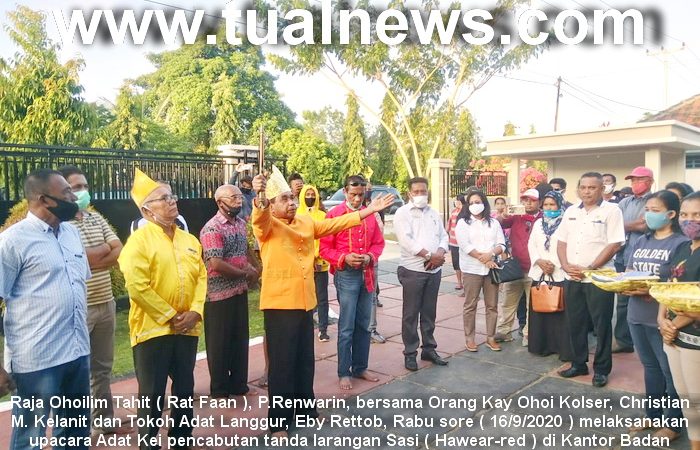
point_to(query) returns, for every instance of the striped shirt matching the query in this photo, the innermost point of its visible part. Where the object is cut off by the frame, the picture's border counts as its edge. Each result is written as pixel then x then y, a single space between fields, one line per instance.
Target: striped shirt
pixel 94 230
pixel 42 279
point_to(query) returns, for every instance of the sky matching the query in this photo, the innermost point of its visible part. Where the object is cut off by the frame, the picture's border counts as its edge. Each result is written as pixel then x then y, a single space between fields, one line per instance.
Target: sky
pixel 601 84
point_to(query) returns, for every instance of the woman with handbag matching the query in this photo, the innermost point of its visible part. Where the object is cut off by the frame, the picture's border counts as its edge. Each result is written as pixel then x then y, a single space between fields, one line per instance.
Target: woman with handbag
pixel 480 239
pixel 548 330
pixel 652 253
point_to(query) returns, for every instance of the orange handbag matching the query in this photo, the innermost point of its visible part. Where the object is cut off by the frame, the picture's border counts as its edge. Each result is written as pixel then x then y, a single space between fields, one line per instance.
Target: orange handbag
pixel 546 297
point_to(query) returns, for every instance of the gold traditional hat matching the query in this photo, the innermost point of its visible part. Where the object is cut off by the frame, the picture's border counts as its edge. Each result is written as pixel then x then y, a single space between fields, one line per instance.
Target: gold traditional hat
pixel 276 184
pixel 142 188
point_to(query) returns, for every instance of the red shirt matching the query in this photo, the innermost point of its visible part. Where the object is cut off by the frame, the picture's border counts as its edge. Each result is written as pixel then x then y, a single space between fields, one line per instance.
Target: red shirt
pixel 451 225
pixel 520 228
pixel 364 239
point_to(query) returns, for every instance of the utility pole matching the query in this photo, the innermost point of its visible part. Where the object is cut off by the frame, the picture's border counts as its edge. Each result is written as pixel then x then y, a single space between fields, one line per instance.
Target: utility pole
pixel 664 53
pixel 556 110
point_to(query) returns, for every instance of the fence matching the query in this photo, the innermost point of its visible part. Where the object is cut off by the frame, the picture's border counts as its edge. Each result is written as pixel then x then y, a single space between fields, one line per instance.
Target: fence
pixel 110 172
pixel 492 183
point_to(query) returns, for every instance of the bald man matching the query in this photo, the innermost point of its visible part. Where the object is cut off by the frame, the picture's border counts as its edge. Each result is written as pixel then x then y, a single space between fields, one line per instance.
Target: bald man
pixel 226 255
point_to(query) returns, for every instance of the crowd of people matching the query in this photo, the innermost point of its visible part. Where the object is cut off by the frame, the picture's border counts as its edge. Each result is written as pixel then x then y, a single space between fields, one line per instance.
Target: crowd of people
pixel 60 315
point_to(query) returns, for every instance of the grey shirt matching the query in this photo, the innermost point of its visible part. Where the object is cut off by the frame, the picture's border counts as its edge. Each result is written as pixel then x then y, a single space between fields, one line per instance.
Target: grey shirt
pixel 632 209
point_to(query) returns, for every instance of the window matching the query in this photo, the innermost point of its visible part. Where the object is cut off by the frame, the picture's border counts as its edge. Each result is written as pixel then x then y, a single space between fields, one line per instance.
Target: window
pixel 692 161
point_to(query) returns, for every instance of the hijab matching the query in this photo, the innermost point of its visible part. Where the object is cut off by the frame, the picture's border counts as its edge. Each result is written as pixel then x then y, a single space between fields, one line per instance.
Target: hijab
pixel 549 226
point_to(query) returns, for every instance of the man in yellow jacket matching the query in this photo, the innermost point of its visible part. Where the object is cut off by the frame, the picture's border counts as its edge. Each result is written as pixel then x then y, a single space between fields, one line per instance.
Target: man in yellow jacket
pixel 310 205
pixel 167 284
pixel 288 294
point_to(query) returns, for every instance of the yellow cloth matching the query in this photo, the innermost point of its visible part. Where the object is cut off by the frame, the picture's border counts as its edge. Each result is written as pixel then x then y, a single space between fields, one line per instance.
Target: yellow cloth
pixel 317 215
pixel 164 278
pixel 287 254
pixel 143 186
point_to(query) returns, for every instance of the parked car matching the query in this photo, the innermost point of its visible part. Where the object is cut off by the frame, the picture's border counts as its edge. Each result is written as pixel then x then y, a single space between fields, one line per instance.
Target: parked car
pixel 380 189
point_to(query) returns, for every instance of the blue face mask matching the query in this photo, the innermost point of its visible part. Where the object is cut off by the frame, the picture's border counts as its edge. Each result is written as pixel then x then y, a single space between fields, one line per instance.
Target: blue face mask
pixel 656 220
pixel 549 214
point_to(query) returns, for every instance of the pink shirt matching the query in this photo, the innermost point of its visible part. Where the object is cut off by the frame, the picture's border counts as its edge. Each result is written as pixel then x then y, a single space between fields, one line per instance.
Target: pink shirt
pixel 364 239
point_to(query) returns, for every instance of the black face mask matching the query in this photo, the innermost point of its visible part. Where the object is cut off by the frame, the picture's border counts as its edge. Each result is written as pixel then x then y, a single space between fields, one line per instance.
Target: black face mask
pixel 64 211
pixel 246 191
pixel 233 212
pixel 310 202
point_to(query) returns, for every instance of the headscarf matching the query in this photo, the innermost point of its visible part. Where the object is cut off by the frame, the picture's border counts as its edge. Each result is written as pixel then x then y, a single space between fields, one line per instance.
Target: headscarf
pixel 549 226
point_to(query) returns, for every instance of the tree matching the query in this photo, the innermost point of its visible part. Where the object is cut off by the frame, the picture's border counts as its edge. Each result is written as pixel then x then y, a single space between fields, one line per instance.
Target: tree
pixel 126 131
pixel 314 158
pixel 40 99
pixel 509 129
pixel 353 148
pixel 425 83
pixel 207 95
pixel 325 124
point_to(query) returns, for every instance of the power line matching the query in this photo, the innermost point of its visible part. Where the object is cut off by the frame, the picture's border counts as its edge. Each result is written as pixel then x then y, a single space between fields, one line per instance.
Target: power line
pixel 594 100
pixel 567 92
pixel 608 99
pixel 206 14
pixel 524 80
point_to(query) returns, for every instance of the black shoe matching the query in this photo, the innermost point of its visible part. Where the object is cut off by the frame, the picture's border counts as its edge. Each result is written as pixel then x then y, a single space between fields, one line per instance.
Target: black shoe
pixel 410 363
pixel 574 372
pixel 599 380
pixel 620 349
pixel 323 337
pixel 379 304
pixel 433 357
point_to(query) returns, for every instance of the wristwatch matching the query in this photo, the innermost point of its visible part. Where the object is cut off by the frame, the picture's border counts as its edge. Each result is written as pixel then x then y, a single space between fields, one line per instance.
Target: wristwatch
pixel 428 256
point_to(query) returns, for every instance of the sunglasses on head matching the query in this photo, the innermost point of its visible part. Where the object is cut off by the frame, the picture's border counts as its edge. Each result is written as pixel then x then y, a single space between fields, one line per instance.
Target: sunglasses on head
pixel 358 183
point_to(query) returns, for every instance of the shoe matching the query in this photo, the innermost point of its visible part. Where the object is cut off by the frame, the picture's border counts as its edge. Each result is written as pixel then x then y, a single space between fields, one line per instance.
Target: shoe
pixel 599 380
pixel 377 338
pixel 323 337
pixel 410 363
pixel 620 349
pixel 500 337
pixel 433 357
pixel 573 371
pixel 471 346
pixel 380 304
pixel 525 341
pixel 494 346
pixel 459 288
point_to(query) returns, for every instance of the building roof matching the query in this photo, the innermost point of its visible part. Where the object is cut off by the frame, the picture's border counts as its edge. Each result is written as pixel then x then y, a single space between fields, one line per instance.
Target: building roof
pixel 687 111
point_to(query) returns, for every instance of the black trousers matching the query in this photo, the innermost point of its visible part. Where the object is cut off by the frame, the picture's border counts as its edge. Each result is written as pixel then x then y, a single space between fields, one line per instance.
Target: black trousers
pixel 582 298
pixel 289 336
pixel 420 292
pixel 226 335
pixel 154 361
pixel 321 283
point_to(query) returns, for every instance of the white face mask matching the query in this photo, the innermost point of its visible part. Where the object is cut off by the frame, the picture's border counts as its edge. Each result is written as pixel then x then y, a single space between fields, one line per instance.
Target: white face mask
pixel 608 188
pixel 420 201
pixel 476 208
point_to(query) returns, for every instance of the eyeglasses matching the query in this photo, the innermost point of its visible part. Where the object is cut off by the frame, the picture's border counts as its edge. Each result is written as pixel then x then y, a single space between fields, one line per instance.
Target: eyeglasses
pixel 165 198
pixel 358 183
pixel 235 196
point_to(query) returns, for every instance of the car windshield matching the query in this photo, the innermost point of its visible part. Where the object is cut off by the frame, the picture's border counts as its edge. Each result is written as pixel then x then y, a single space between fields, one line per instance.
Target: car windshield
pixel 338 196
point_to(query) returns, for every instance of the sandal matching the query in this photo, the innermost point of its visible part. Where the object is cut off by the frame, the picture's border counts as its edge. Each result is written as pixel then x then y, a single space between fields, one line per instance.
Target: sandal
pixel 471 346
pixel 494 346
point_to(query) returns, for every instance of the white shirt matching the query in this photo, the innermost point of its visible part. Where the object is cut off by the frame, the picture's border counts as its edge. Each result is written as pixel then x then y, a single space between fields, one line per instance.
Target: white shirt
pixel 535 247
pixel 478 235
pixel 417 229
pixel 587 233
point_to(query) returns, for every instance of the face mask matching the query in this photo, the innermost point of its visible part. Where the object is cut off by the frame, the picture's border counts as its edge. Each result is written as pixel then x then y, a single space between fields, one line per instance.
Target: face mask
pixel 656 220
pixel 691 228
pixel 157 219
pixel 639 188
pixel 246 191
pixel 476 208
pixel 63 210
pixel 420 201
pixel 83 199
pixel 608 189
pixel 233 212
pixel 551 214
pixel 310 202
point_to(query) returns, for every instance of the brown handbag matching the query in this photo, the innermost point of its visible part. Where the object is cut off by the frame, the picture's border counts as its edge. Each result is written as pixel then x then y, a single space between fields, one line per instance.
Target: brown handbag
pixel 546 297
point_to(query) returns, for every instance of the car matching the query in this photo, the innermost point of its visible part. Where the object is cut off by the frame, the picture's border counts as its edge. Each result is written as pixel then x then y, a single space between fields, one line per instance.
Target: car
pixel 380 189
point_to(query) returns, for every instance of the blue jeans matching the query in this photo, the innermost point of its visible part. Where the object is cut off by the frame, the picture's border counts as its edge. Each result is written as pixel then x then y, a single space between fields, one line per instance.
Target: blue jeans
pixel 67 381
pixel 353 333
pixel 658 381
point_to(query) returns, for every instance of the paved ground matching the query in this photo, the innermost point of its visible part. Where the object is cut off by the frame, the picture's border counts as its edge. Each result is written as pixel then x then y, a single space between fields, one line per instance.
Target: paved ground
pixel 485 378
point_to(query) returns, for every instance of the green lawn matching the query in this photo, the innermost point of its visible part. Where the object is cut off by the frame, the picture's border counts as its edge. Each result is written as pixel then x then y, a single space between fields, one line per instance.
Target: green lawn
pixel 123 361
